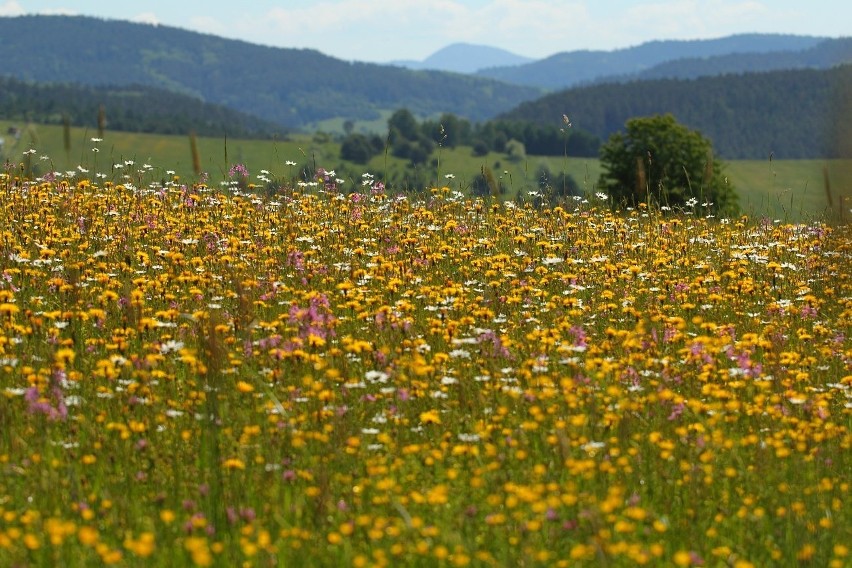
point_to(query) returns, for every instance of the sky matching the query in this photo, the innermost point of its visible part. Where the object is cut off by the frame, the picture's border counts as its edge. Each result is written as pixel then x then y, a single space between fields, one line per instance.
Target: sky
pixel 387 30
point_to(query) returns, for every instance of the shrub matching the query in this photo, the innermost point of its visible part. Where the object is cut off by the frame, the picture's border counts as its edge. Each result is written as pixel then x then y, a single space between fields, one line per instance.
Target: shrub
pixel 659 160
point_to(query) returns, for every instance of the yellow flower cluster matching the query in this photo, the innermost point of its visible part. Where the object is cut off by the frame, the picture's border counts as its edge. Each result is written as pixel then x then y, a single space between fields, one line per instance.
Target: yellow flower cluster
pixel 195 378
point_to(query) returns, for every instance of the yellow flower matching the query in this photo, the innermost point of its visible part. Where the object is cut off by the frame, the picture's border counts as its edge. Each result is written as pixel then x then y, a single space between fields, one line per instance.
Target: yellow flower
pixel 430 417
pixel 87 535
pixel 315 340
pixel 9 310
pixel 806 553
pixel 682 558
pixel 143 546
pixel 31 541
pixel 234 463
pixel 198 549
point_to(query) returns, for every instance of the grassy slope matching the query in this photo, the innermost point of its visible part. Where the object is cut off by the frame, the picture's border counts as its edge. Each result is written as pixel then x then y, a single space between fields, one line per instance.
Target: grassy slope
pixel 792 189
pixel 788 189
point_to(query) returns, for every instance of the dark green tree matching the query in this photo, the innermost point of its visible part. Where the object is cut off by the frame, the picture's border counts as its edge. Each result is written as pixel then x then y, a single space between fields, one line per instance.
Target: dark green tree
pixel 661 161
pixel 515 150
pixel 456 130
pixel 357 148
pixel 480 148
pixel 407 139
pixel 402 124
pixel 417 152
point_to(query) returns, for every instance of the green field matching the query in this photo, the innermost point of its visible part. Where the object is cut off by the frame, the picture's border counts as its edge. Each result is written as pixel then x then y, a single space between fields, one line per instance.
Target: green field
pixel 191 378
pixel 794 189
pixel 790 190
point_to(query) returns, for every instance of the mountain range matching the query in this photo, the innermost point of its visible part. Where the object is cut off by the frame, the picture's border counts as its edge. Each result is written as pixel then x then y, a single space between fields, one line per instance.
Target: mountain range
pixel 706 57
pixel 297 88
pixel 825 55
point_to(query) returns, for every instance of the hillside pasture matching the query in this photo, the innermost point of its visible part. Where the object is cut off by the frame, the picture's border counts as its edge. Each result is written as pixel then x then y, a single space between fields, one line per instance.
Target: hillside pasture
pixel 794 189
pixel 790 190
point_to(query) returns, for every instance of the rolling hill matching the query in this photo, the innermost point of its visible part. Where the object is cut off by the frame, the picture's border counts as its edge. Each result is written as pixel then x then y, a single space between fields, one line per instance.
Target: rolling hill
pixel 290 87
pixel 824 55
pixel 573 68
pixel 790 114
pixel 131 108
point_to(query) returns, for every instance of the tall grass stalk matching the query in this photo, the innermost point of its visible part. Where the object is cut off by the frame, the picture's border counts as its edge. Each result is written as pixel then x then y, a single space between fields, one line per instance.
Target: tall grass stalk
pixel 194 153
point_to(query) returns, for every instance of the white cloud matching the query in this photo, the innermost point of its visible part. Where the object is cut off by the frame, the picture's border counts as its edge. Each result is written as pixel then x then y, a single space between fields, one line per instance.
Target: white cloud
pixel 374 29
pixel 11 8
pixel 382 30
pixel 207 24
pixel 692 18
pixel 385 30
pixel 146 18
pixel 58 12
pixel 538 27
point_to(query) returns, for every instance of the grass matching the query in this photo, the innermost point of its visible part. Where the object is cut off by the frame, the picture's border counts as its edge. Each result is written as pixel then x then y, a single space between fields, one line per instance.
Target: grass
pixel 794 189
pixel 336 125
pixel 167 152
pixel 196 376
pixel 790 190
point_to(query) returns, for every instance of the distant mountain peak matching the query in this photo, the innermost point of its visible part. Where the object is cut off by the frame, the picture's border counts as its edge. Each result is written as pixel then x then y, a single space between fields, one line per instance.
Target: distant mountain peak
pixel 464 57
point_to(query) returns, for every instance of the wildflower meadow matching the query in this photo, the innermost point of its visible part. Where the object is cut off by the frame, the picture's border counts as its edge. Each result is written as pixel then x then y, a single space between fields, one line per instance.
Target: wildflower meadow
pixel 207 375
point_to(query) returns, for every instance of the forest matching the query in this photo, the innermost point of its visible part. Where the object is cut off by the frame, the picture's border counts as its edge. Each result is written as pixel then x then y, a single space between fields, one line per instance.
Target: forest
pixel 291 87
pixel 790 114
pixel 131 109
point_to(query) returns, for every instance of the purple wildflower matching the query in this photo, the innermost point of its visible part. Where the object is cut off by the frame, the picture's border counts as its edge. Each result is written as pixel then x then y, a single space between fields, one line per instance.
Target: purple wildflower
pixel 238 169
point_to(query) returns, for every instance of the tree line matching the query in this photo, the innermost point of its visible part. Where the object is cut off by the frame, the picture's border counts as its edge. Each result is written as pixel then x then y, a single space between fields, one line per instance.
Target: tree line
pixel 132 109
pixel 415 141
pixel 146 109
